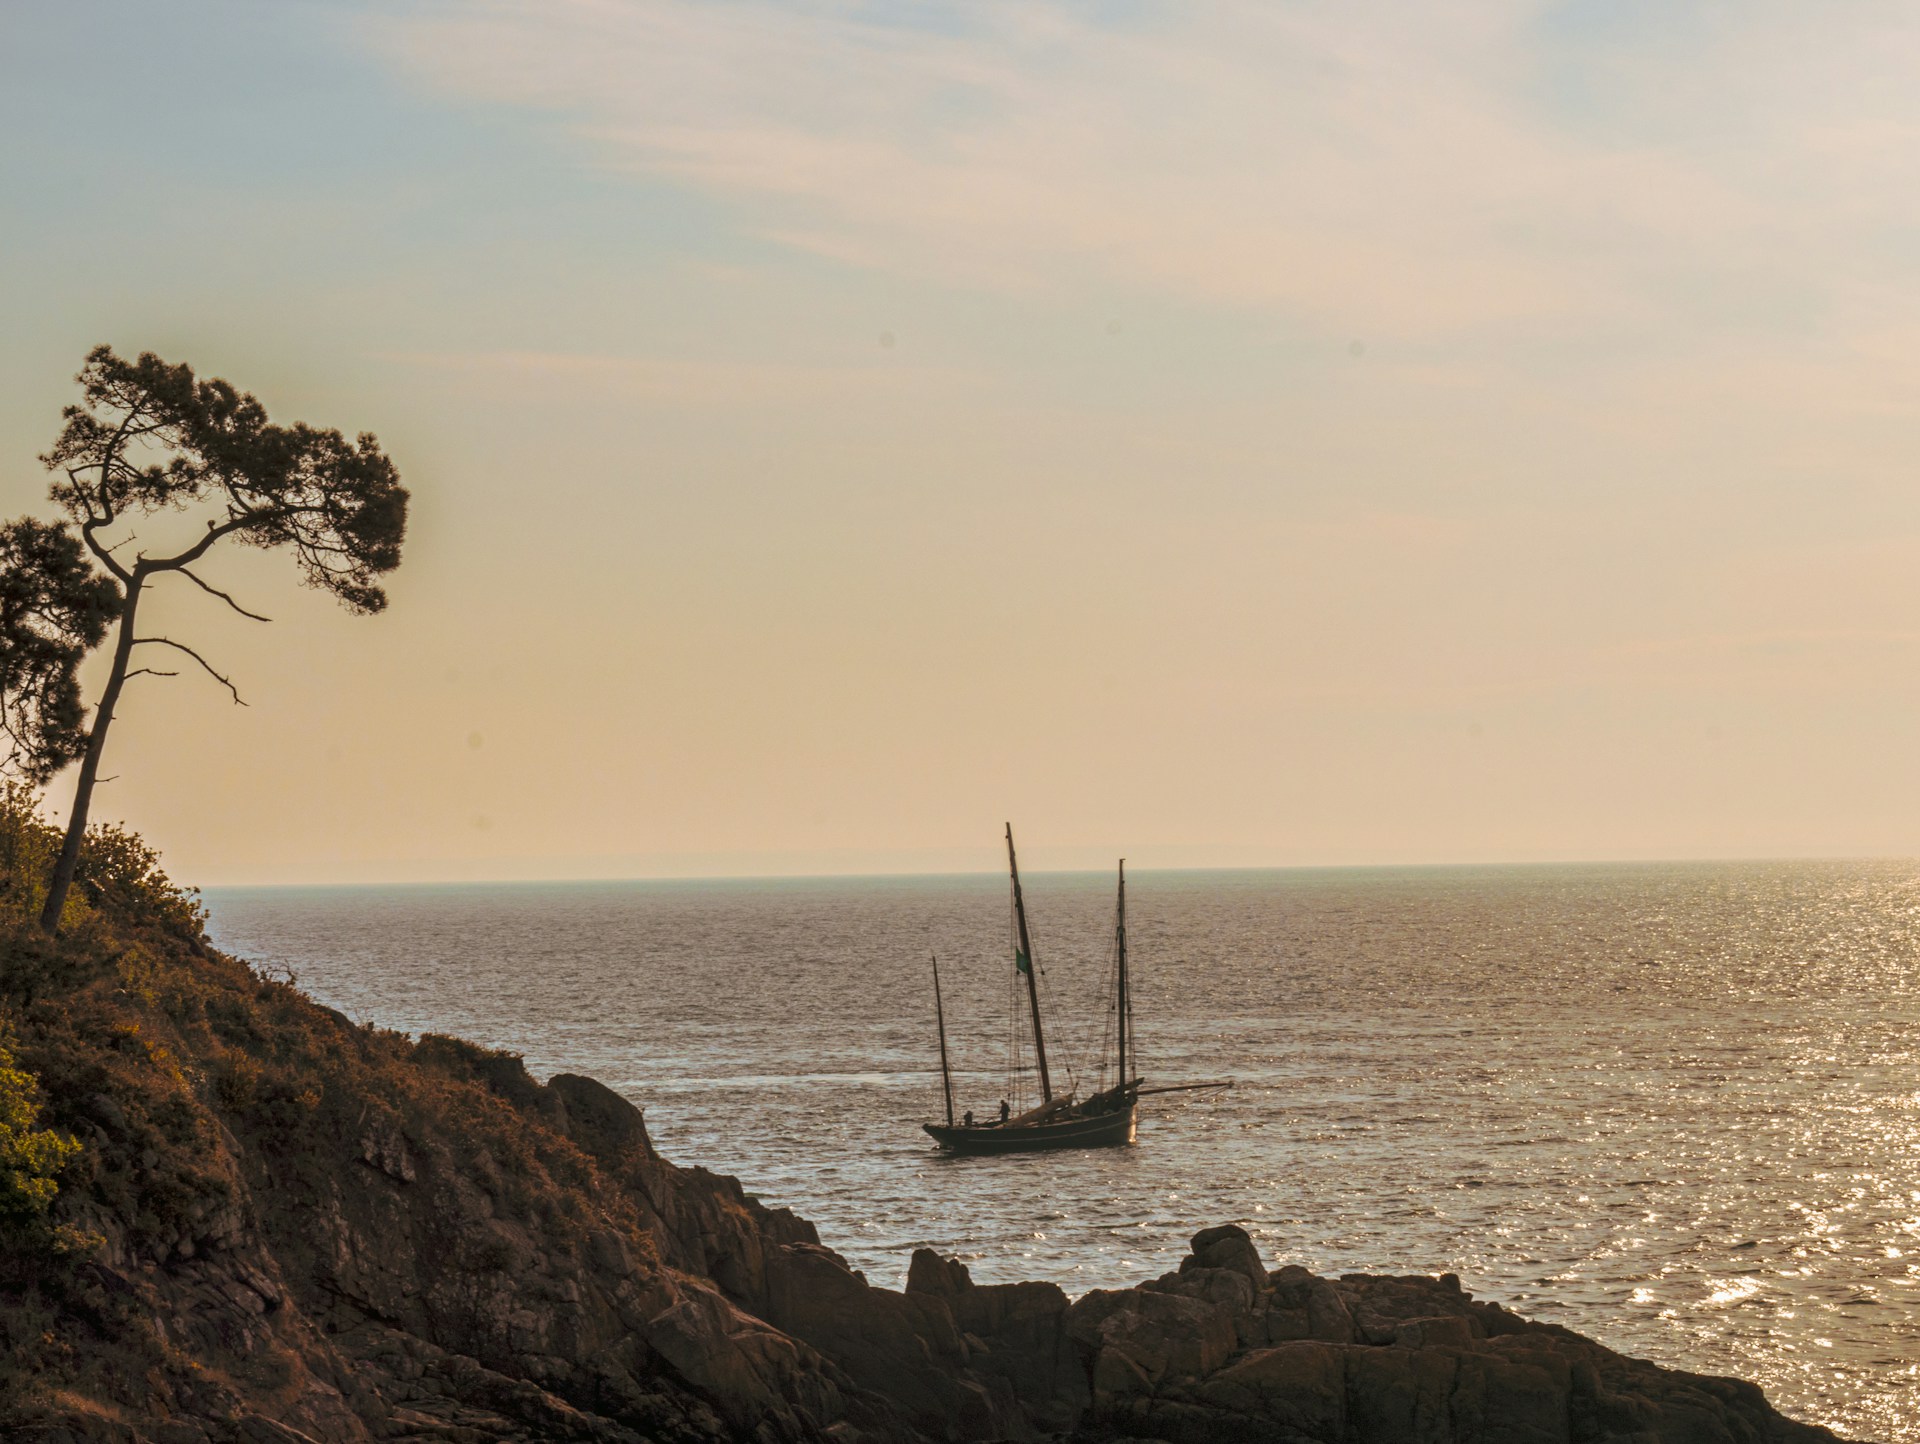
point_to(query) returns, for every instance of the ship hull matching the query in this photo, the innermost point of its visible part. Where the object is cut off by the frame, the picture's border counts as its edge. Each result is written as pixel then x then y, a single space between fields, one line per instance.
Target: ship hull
pixel 1102 1130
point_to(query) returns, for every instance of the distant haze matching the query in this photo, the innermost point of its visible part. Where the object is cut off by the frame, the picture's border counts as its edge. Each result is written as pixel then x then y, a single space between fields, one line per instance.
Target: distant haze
pixel 1220 434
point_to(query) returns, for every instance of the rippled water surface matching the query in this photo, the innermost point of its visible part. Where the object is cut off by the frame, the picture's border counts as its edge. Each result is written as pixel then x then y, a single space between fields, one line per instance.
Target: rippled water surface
pixel 1674 1107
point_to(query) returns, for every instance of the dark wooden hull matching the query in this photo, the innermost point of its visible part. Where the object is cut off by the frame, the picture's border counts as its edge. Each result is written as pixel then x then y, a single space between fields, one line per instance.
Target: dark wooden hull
pixel 1101 1130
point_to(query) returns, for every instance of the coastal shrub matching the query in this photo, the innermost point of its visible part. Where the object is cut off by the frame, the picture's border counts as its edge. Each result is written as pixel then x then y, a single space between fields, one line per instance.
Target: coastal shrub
pixel 35 964
pixel 118 874
pixel 216 1102
pixel 190 1076
pixel 28 846
pixel 31 1157
pixel 236 1082
pixel 502 1072
pixel 121 876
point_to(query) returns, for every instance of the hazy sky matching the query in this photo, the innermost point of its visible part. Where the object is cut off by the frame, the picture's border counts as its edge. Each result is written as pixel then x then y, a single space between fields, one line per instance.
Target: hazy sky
pixel 1219 433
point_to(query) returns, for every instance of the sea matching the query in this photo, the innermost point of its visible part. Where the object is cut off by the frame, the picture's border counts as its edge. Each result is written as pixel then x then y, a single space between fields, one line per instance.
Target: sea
pixel 1674 1107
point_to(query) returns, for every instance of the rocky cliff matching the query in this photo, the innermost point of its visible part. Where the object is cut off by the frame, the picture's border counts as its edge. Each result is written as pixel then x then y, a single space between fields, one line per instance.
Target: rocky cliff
pixel 281 1226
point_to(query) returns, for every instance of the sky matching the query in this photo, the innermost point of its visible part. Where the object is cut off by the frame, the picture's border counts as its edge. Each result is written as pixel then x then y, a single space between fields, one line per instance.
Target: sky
pixel 1221 434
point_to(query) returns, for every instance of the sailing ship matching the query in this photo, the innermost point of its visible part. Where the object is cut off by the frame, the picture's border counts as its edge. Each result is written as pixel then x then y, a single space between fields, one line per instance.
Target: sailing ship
pixel 1105 1119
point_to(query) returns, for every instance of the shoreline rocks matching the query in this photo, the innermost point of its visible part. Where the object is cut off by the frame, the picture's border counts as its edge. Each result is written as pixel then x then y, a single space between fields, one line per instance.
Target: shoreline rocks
pixel 308 1232
pixel 1203 1355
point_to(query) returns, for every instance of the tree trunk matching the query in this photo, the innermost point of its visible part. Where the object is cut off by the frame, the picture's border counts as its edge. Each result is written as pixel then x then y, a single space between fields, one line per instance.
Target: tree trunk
pixel 69 861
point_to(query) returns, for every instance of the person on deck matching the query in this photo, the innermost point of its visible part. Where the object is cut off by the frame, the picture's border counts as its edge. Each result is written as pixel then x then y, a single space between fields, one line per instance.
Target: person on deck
pixel 1003 1110
pixel 967 1118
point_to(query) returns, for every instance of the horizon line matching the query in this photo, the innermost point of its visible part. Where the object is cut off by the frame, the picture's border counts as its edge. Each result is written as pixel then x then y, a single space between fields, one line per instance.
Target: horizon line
pixel 591 879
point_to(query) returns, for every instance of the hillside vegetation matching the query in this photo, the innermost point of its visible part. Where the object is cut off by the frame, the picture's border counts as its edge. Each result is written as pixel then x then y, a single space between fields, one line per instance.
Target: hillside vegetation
pixel 229 1215
pixel 223 1202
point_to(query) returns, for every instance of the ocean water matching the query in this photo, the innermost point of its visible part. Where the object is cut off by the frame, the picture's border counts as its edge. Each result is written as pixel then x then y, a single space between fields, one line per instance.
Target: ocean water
pixel 1674 1107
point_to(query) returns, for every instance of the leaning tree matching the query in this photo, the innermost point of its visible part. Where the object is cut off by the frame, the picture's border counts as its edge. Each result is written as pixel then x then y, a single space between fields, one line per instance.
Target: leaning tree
pixel 150 438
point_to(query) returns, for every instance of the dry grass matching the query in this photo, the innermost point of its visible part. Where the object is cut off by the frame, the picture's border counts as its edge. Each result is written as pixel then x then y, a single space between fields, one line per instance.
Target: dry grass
pixel 153 1049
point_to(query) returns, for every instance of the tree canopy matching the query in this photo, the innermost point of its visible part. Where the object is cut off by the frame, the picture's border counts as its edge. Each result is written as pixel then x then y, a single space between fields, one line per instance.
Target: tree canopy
pixel 54 609
pixel 150 437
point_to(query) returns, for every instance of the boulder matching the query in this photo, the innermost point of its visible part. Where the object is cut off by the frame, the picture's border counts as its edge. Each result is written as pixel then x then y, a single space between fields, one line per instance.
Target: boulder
pixel 1301 1387
pixel 599 1119
pixel 1227 1246
pixel 931 1273
pixel 1328 1318
pixel 1397 1396
pixel 1163 1334
pixel 1517 1391
pixel 1290 1284
pixel 903 1346
pixel 695 1335
pixel 1453 1331
pixel 1225 1289
pixel 1381 1303
pixel 1117 1377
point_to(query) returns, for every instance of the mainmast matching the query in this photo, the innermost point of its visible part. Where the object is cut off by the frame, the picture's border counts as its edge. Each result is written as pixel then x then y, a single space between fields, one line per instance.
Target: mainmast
pixel 1123 1005
pixel 940 1013
pixel 1023 962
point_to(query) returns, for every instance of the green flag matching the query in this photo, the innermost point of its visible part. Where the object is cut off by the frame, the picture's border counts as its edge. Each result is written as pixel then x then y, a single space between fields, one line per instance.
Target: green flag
pixel 1021 962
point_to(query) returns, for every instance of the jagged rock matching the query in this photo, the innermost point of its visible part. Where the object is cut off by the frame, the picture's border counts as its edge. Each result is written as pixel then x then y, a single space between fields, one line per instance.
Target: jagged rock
pixel 906 1346
pixel 930 1273
pixel 1450 1330
pixel 1014 1332
pixel 1117 1377
pixel 1401 1396
pixel 1225 1289
pixel 599 1119
pixel 1300 1387
pixel 1227 1247
pixel 1160 1333
pixel 1328 1318
pixel 314 1232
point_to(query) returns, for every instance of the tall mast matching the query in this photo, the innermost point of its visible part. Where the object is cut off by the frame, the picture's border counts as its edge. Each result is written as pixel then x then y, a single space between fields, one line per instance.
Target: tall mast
pixel 940 1013
pixel 1123 1005
pixel 1023 962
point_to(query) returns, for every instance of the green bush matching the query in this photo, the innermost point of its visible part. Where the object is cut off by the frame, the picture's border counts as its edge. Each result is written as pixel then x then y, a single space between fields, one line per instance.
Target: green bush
pixel 28 847
pixel 119 875
pixel 31 1157
pixel 34 964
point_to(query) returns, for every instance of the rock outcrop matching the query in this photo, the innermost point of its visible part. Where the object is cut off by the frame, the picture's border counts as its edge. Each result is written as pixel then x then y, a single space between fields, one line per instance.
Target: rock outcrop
pixel 288 1229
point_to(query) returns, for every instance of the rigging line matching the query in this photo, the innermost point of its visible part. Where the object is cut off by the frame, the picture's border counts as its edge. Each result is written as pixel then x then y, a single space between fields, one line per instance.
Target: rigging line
pixel 1071 1037
pixel 1063 1044
pixel 1106 1018
pixel 1013 1088
pixel 1130 1065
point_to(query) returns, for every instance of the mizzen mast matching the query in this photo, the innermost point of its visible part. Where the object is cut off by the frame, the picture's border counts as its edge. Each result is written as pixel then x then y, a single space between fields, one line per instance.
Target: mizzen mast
pixel 1023 962
pixel 1122 1003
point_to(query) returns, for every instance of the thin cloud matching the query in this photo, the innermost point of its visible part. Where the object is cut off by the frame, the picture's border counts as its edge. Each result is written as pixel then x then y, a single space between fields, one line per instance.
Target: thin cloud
pixel 1398 169
pixel 680 381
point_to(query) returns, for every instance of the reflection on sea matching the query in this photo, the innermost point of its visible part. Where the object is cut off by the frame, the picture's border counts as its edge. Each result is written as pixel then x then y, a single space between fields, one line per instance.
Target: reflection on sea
pixel 1673 1107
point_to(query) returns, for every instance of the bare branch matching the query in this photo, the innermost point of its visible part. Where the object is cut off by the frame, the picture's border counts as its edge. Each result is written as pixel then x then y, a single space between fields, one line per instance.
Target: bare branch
pixel 86 497
pixel 105 553
pixel 102 518
pixel 240 520
pixel 221 595
pixel 148 672
pixel 207 666
pixel 215 530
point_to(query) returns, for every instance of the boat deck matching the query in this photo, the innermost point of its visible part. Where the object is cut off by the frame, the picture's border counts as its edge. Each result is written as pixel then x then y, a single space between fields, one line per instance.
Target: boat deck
pixel 1100 1130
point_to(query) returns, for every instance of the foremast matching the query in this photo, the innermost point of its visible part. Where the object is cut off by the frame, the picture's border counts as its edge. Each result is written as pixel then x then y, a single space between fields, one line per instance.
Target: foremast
pixel 1023 962
pixel 940 1015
